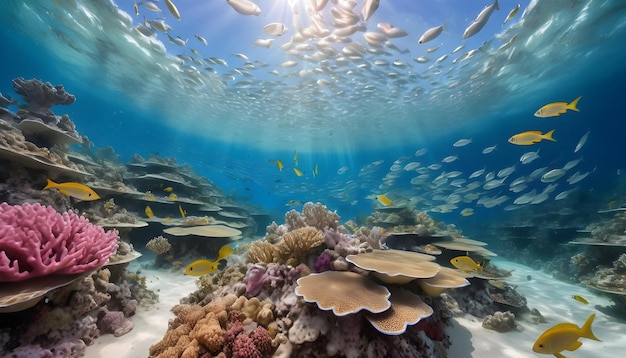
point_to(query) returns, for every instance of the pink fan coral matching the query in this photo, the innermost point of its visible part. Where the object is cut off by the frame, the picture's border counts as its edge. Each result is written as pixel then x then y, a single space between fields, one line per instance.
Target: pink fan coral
pixel 36 240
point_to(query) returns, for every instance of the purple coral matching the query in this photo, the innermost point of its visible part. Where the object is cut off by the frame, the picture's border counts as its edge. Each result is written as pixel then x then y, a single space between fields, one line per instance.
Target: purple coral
pixel 255 279
pixel 36 240
pixel 322 263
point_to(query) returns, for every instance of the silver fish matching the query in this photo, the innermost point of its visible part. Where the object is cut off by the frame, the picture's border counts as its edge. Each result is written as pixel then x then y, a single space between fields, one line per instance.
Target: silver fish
pixel 480 20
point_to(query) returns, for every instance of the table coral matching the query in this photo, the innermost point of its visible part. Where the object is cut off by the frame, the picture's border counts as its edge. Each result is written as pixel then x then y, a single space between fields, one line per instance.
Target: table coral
pixel 36 241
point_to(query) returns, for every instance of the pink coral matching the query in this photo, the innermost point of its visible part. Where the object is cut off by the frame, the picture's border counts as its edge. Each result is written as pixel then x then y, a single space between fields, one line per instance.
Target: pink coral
pixel 36 240
pixel 244 348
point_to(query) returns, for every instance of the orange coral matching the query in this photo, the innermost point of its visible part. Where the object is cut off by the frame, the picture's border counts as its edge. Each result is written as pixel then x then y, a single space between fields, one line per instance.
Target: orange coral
pixel 209 333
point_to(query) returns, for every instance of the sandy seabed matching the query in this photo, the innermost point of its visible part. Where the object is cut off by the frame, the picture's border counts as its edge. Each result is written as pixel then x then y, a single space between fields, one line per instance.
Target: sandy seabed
pixel 552 298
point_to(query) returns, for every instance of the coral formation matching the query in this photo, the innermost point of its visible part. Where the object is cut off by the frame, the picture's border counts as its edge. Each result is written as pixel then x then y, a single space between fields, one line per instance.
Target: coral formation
pixel 315 215
pixel 500 321
pixel 36 240
pixel 41 96
pixel 159 245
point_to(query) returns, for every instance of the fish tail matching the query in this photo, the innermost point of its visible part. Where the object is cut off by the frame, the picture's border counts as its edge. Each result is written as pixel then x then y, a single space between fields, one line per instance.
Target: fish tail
pixel 548 136
pixel 497 6
pixel 572 106
pixel 586 330
pixel 50 184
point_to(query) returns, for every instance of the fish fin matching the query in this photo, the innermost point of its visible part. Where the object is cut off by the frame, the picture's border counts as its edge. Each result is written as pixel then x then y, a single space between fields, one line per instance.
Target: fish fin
pixel 586 330
pixel 548 136
pixel 496 4
pixel 574 346
pixel 559 355
pixel 50 184
pixel 572 106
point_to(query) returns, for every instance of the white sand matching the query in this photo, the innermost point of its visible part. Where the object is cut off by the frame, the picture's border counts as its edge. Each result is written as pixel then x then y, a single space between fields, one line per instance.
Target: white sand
pixel 552 298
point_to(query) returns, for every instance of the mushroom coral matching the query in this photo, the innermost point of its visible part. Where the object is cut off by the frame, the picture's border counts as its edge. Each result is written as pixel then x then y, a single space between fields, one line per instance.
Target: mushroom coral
pixel 343 292
pixel 406 309
pixel 396 266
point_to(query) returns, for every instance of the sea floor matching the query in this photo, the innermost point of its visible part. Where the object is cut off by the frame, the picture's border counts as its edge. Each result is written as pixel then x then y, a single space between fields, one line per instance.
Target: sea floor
pixel 552 298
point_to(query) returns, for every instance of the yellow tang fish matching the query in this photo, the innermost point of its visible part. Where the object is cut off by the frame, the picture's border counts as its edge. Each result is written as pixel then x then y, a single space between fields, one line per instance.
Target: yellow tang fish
pixel 203 267
pixel 149 212
pixel 75 190
pixel 172 197
pixel 465 263
pixel 580 299
pixel 168 189
pixel 383 199
pixel 557 108
pixel 531 137
pixel 564 336
pixel 298 172
pixel 183 213
pixel 280 165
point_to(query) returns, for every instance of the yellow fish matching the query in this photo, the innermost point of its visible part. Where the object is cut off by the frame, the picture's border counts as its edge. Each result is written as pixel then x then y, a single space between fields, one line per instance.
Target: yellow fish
pixel 580 299
pixel 315 171
pixel 531 137
pixel 465 263
pixel 557 108
pixel 172 8
pixel 280 165
pixel 149 212
pixel 295 157
pixel 183 213
pixel 512 14
pixel 564 336
pixel 75 190
pixel 383 199
pixel 172 197
pixel 168 189
pixel 203 267
pixel 298 172
pixel 150 196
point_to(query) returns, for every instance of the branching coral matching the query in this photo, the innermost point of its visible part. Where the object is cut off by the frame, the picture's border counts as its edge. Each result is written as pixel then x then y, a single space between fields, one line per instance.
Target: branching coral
pixel 41 96
pixel 297 243
pixel 316 215
pixel 159 245
pixel 262 251
pixel 36 241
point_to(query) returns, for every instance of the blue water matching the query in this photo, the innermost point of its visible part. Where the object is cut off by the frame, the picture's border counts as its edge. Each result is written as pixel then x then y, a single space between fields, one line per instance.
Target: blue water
pixel 130 98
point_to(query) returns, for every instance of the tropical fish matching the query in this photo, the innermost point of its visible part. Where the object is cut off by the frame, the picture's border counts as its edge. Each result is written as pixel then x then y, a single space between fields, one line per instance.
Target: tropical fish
pixel 75 190
pixel 150 196
pixel 172 8
pixel 183 213
pixel 581 142
pixel 480 20
pixel 531 137
pixel 316 171
pixel 168 189
pixel 564 336
pixel 489 149
pixel 245 7
pixel 295 157
pixel 172 197
pixel 201 39
pixel 431 34
pixel 467 212
pixel 462 142
pixel 203 267
pixel 368 9
pixel 512 14
pixel 383 199
pixel 149 212
pixel 557 108
pixel 298 172
pixel 280 165
pixel 580 299
pixel 136 8
pixel 275 29
pixel 465 263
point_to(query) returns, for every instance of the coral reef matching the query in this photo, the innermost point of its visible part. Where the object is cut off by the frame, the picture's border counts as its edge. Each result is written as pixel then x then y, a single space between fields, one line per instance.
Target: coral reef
pixel 500 321
pixel 315 215
pixel 41 96
pixel 159 245
pixel 36 240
